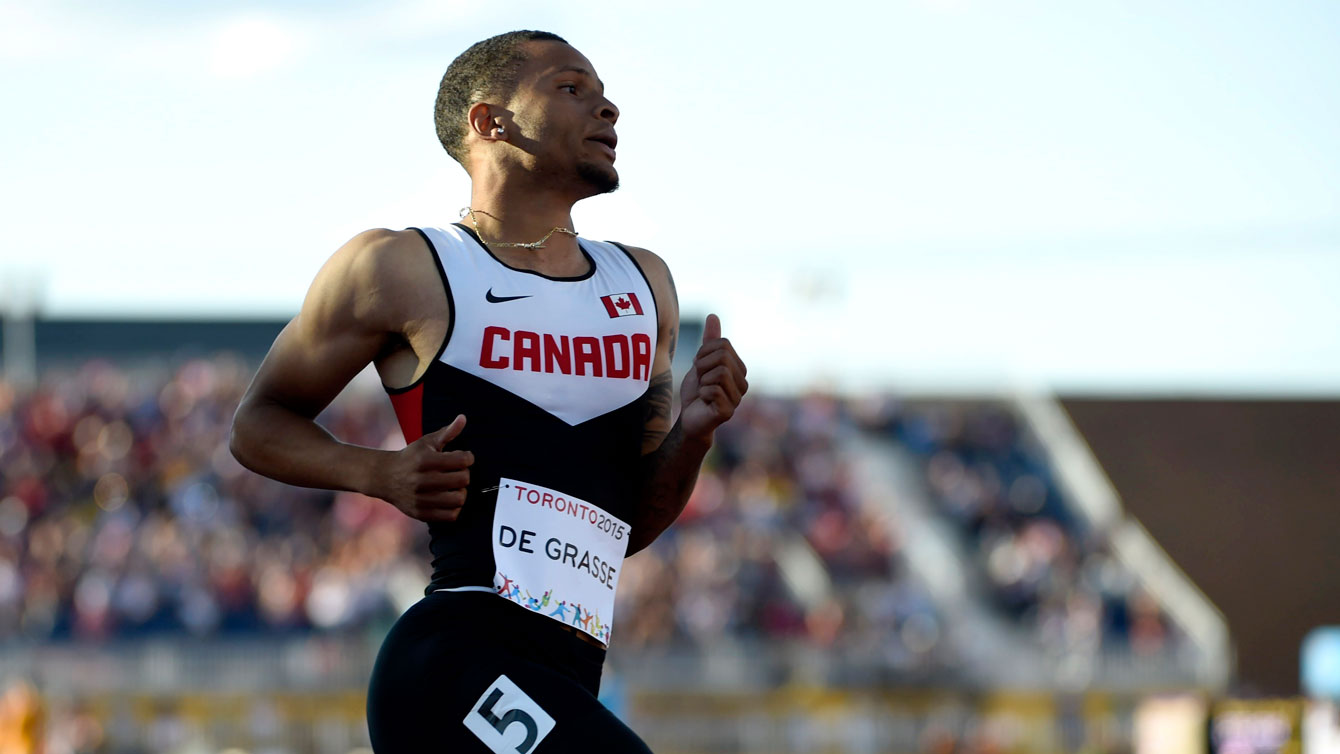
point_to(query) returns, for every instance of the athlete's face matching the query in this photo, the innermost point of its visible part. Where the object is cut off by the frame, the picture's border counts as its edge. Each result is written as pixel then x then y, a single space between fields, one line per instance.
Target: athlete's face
pixel 566 123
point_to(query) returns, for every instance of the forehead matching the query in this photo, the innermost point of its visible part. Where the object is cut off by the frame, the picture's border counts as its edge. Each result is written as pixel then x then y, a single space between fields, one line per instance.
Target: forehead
pixel 548 58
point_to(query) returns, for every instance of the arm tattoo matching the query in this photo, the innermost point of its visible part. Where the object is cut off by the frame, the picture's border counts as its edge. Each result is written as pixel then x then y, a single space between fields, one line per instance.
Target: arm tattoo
pixel 674 291
pixel 656 411
pixel 669 465
pixel 674 326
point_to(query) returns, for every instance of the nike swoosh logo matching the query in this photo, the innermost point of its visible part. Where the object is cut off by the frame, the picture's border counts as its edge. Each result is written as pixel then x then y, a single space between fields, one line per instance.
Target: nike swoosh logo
pixel 492 299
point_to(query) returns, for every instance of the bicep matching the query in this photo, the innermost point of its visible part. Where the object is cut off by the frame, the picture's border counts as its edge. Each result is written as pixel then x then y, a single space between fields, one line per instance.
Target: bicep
pixel 658 401
pixel 331 340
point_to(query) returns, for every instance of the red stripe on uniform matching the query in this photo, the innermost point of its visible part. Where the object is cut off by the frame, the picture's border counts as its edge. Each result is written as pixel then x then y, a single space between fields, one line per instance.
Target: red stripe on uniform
pixel 409 411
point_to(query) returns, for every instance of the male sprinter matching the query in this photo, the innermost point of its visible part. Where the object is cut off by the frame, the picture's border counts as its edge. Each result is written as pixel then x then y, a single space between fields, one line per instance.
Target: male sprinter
pixel 530 372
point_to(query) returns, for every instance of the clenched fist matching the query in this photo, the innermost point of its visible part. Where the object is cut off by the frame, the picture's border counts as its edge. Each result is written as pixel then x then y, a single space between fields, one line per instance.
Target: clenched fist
pixel 714 384
pixel 425 482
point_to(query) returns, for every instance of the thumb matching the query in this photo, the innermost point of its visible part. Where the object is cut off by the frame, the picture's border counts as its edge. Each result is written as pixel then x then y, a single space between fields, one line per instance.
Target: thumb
pixel 446 434
pixel 712 328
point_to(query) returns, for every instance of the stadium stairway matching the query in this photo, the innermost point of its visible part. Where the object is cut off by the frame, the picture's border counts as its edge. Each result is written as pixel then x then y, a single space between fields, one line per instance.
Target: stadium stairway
pixel 1096 500
pixel 998 652
pixel 888 477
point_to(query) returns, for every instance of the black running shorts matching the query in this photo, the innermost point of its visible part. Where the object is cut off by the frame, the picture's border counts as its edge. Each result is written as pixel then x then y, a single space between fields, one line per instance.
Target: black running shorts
pixel 471 672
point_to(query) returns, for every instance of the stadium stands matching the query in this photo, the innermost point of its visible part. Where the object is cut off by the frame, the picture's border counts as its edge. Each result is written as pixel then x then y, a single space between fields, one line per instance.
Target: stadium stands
pixel 1045 569
pixel 123 514
pixel 124 518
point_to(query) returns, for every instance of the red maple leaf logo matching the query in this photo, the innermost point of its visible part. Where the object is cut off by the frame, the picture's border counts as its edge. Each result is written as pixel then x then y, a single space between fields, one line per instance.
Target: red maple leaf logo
pixel 623 303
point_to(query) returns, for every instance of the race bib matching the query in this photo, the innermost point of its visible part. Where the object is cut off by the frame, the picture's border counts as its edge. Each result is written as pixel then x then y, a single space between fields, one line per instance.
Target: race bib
pixel 558 555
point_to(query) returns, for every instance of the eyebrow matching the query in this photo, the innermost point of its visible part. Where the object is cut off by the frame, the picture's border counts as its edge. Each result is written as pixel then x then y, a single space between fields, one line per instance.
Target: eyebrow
pixel 584 72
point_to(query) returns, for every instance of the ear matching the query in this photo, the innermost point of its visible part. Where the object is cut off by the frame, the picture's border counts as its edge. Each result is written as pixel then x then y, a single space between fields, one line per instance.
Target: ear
pixel 486 123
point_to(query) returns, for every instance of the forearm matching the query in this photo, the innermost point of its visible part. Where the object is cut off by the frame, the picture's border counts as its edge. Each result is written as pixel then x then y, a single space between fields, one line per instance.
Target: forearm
pixel 668 475
pixel 278 443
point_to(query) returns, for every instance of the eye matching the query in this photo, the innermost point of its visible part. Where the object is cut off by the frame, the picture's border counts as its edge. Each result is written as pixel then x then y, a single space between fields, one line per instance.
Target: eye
pixel 570 87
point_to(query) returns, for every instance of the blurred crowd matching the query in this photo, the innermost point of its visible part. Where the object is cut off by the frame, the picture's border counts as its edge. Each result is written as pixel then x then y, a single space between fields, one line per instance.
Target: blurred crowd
pixel 122 513
pixel 778 542
pixel 1041 564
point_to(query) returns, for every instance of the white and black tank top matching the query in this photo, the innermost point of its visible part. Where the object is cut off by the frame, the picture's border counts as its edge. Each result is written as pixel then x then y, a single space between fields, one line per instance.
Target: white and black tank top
pixel 548 372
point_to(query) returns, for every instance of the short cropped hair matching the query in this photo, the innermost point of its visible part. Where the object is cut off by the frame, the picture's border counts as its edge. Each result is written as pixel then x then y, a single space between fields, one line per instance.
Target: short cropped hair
pixel 488 69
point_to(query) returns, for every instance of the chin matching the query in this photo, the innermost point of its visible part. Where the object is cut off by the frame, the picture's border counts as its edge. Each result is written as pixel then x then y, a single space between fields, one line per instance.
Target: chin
pixel 602 178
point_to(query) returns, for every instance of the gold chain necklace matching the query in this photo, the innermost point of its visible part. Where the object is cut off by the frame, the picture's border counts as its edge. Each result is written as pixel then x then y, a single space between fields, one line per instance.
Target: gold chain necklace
pixel 500 244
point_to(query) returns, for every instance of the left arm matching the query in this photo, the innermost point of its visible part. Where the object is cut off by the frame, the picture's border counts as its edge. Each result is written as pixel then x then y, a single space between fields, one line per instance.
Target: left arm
pixel 712 388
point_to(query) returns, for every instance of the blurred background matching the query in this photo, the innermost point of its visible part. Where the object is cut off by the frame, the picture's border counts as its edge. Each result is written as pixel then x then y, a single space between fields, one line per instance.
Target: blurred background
pixel 1042 446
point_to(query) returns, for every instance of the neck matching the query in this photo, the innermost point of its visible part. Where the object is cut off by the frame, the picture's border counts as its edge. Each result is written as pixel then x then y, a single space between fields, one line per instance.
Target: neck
pixel 506 212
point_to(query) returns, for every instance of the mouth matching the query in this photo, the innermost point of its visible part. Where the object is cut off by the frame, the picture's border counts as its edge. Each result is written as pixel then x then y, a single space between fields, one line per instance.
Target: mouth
pixel 607 140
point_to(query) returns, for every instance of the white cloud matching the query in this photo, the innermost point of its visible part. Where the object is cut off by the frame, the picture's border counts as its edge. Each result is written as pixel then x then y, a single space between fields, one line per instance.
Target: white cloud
pixel 31 33
pixel 236 46
pixel 249 45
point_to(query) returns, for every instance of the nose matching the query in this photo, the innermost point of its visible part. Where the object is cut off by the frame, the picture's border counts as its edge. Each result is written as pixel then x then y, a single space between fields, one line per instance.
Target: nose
pixel 608 111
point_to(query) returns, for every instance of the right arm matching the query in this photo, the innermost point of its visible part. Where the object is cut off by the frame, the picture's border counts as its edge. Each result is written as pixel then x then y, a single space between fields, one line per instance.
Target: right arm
pixel 350 316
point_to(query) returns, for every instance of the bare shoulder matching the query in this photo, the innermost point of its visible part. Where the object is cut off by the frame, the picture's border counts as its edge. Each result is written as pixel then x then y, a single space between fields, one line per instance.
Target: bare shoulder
pixel 662 285
pixel 658 275
pixel 354 314
pixel 651 263
pixel 375 275
pixel 380 255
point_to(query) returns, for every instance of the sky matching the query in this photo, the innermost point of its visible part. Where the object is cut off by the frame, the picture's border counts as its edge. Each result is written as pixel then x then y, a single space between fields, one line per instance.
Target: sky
pixel 955 195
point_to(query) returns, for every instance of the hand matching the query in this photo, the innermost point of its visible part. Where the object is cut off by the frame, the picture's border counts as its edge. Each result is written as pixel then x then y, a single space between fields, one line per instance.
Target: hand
pixel 713 386
pixel 423 481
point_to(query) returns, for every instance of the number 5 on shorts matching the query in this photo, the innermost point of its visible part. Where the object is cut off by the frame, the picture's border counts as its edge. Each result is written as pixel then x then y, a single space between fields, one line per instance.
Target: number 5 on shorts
pixel 507 720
